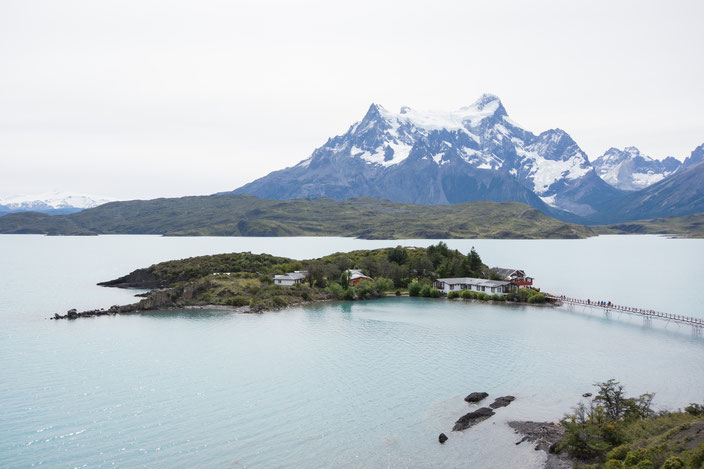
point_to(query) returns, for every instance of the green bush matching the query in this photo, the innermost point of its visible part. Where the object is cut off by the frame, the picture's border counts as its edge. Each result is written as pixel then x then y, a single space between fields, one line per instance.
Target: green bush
pixel 383 284
pixel 238 301
pixel 637 456
pixel 466 294
pixel 536 298
pixel 697 460
pixel 336 290
pixel 645 464
pixel 414 288
pixel 619 452
pixel 483 296
pixel 434 293
pixel 425 291
pixel 364 289
pixel 349 294
pixel 673 462
pixel 453 294
pixel 695 409
pixel 498 297
pixel 279 301
pixel 614 464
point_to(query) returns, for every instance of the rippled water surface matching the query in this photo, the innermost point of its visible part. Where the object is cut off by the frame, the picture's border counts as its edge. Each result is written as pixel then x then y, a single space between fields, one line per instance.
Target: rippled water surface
pixel 362 384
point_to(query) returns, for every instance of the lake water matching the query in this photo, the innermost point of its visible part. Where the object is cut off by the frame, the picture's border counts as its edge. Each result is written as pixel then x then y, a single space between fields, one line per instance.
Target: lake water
pixel 349 384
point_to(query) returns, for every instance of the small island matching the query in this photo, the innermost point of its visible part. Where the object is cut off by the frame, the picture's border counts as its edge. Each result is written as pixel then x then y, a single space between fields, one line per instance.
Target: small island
pixel 254 283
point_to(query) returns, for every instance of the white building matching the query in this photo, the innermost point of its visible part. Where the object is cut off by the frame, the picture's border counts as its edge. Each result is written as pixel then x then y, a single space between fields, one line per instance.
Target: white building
pixel 479 285
pixel 291 278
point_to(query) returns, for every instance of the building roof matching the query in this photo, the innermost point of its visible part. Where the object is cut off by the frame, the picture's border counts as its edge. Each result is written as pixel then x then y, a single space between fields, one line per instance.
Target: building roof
pixel 506 273
pixel 482 282
pixel 297 275
pixel 355 274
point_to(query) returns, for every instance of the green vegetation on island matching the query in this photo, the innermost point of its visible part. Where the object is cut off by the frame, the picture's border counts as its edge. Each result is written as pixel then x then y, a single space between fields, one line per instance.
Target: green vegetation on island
pixel 614 431
pixel 246 280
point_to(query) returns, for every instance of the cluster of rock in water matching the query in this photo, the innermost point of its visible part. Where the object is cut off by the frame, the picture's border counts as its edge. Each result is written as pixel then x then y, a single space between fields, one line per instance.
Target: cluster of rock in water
pixel 74 314
pixel 479 415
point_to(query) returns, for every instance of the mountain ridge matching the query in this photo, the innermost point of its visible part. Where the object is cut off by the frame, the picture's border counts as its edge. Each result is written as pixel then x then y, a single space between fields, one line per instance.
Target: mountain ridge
pixel 474 153
pixel 367 218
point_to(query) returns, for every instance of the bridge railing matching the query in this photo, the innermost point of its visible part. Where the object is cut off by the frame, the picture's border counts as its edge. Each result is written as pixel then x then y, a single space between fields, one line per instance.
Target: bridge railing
pixel 629 309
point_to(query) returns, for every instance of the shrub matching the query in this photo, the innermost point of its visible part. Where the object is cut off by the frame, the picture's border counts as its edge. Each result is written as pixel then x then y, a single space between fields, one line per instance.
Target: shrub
pixel 398 292
pixel 614 464
pixel 697 460
pixel 383 284
pixel 414 288
pixel 336 291
pixel 364 289
pixel 482 296
pixel 349 294
pixel 498 298
pixel 425 291
pixel 619 452
pixel 279 301
pixel 453 294
pixel 434 293
pixel 466 294
pixel 695 409
pixel 238 301
pixel 673 462
pixel 536 298
pixel 305 296
pixel 645 464
pixel 637 456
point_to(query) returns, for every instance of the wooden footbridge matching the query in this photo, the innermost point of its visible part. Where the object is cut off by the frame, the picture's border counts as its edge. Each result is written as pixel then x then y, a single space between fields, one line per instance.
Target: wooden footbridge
pixel 648 315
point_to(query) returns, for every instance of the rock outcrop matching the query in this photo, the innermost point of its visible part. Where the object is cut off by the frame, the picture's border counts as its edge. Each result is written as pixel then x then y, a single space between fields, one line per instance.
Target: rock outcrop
pixel 472 418
pixel 502 401
pixel 476 397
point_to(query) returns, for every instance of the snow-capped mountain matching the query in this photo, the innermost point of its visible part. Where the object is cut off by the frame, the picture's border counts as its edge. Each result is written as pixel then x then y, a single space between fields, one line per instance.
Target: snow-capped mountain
pixel 630 170
pixel 697 156
pixel 52 202
pixel 474 153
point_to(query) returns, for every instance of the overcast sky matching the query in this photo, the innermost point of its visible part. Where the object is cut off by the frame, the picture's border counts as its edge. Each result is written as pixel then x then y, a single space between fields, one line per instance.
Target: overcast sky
pixel 141 99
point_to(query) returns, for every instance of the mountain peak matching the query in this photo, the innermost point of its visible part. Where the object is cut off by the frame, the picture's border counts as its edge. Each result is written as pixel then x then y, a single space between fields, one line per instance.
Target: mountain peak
pixel 486 98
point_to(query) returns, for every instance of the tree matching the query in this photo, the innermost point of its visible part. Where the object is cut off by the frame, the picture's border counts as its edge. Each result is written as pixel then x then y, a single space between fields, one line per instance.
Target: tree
pixel 316 274
pixel 398 255
pixel 345 279
pixel 475 262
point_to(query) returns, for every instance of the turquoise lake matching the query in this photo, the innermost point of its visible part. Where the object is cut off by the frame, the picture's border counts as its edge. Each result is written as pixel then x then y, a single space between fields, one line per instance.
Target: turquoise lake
pixel 345 384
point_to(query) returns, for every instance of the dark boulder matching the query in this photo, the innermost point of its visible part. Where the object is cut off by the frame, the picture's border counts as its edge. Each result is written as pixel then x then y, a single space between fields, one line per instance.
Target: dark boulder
pixel 502 401
pixel 476 397
pixel 472 418
pixel 442 438
pixel 587 394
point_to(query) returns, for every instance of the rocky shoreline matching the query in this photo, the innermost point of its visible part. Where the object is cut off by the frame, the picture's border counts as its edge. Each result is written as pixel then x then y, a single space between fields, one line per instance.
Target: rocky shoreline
pixel 164 300
pixel 544 435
